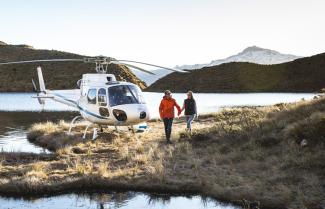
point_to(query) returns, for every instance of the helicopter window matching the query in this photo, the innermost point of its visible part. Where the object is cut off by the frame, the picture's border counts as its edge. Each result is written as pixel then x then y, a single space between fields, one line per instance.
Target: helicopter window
pixel 102 99
pixel 123 94
pixel 92 96
pixel 137 93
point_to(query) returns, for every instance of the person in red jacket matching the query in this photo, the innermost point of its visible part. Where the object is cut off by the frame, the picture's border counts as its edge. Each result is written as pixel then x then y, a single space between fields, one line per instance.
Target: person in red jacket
pixel 166 111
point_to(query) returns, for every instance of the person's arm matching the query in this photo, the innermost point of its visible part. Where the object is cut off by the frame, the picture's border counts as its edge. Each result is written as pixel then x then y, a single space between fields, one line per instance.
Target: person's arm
pixel 183 106
pixel 161 109
pixel 195 110
pixel 178 108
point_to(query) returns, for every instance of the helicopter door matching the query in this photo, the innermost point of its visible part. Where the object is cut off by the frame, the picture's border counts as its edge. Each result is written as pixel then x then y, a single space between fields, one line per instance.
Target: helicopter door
pixel 102 102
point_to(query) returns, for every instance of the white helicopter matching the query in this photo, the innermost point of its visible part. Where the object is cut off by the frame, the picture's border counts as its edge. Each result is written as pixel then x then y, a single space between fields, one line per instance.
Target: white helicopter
pixel 102 100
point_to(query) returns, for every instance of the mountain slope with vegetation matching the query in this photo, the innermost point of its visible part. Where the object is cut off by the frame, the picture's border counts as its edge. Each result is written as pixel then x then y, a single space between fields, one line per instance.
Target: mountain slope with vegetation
pixel 301 75
pixel 57 75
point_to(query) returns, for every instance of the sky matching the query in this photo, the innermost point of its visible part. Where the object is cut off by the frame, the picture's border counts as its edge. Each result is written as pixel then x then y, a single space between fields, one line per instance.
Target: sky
pixel 165 32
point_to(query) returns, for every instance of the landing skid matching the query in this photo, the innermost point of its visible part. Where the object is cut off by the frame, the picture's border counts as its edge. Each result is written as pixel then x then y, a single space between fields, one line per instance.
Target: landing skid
pixel 95 132
pixel 99 128
pixel 134 128
pixel 72 122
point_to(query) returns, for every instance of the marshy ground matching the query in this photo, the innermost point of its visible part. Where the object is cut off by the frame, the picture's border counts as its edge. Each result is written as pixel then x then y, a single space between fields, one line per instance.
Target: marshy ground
pixel 272 155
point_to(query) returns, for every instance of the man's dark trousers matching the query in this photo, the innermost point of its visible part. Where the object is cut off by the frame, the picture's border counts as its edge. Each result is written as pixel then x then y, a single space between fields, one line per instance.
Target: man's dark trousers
pixel 168 123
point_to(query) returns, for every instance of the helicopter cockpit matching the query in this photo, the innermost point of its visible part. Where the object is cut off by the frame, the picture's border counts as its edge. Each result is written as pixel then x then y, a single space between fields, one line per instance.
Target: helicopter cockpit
pixel 124 94
pixel 116 100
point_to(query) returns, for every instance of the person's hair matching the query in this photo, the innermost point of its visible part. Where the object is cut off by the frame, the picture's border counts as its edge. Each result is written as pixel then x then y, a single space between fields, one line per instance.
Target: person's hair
pixel 191 93
pixel 167 92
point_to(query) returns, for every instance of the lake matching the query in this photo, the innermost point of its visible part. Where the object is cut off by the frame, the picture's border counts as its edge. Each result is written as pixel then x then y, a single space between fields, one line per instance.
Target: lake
pixel 19 110
pixel 207 102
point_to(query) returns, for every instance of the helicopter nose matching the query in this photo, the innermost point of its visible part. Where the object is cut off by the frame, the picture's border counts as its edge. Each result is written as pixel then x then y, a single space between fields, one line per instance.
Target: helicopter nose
pixel 131 113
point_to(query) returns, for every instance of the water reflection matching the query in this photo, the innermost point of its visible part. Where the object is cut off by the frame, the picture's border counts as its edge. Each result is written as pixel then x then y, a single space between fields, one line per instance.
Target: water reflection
pixel 115 200
pixel 14 126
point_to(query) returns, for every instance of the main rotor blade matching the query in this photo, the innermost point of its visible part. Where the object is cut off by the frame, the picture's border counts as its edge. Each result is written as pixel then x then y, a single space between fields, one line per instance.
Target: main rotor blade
pixel 133 66
pixel 49 60
pixel 180 71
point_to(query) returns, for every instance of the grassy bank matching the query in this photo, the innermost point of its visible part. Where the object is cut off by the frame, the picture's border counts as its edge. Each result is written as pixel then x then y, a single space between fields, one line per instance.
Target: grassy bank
pixel 274 155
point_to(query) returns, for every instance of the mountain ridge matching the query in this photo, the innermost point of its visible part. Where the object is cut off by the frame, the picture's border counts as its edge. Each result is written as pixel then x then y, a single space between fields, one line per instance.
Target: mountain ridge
pixel 301 75
pixel 57 75
pixel 252 54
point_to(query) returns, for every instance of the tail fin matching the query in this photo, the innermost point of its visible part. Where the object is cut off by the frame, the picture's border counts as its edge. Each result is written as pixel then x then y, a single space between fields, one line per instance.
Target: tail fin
pixel 40 79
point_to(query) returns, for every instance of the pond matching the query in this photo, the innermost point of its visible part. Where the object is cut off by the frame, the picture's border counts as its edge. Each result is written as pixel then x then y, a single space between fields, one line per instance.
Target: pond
pixel 115 200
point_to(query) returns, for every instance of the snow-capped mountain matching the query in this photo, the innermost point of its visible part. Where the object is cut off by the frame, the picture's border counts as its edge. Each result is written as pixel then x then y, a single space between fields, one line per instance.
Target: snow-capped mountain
pixel 251 54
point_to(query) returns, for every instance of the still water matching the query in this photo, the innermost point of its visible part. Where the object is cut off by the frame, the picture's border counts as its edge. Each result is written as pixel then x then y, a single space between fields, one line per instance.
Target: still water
pixel 206 102
pixel 19 110
pixel 14 126
pixel 114 200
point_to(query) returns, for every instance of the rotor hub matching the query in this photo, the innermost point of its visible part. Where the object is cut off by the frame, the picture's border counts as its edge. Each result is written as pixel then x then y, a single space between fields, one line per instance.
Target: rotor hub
pixel 101 63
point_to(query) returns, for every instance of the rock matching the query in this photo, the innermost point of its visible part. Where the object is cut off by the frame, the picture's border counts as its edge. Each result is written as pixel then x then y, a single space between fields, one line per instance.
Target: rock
pixel 304 143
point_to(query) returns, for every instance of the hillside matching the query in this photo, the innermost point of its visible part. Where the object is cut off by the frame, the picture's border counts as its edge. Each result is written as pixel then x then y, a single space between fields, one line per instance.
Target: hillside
pixel 301 75
pixel 14 78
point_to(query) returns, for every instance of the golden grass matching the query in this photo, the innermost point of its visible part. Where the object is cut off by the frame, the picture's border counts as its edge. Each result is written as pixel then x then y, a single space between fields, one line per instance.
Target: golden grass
pixel 83 167
pixel 103 169
pixel 46 128
pixel 241 153
pixel 37 170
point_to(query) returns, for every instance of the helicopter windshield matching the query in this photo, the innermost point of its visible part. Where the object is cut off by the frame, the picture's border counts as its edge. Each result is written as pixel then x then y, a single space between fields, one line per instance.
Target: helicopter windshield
pixel 124 94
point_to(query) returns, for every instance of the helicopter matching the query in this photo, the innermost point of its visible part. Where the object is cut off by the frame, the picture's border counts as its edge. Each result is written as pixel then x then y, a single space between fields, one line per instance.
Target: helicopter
pixel 102 100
